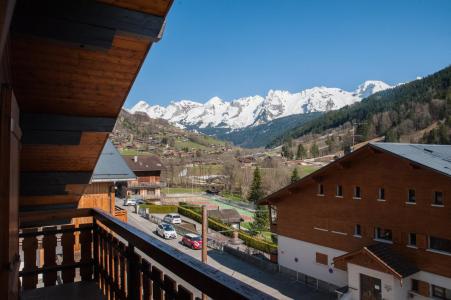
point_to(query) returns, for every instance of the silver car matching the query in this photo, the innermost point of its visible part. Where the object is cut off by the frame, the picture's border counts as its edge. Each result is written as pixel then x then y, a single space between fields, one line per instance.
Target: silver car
pixel 172 219
pixel 166 231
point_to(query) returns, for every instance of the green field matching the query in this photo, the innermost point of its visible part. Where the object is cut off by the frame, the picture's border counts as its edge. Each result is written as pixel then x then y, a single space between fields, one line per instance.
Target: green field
pixel 230 196
pixel 182 190
pixel 133 152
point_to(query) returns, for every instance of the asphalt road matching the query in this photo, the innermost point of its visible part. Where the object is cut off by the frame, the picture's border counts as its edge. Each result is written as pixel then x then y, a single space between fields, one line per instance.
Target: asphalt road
pixel 274 284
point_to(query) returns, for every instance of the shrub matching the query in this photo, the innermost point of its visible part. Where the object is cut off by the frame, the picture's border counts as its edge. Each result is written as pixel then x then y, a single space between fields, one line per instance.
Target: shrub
pixel 227 230
pixel 160 209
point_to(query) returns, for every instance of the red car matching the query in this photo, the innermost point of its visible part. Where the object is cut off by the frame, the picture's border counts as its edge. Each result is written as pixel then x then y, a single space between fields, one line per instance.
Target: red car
pixel 194 241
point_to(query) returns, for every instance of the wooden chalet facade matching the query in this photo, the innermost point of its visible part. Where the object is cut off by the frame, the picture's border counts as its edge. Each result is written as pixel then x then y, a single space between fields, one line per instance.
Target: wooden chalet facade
pixel 376 224
pixel 148 170
pixel 66 68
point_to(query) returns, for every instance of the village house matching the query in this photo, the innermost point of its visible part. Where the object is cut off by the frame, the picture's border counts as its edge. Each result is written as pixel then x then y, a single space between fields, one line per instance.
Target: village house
pixel 148 169
pixel 100 192
pixel 374 224
pixel 229 216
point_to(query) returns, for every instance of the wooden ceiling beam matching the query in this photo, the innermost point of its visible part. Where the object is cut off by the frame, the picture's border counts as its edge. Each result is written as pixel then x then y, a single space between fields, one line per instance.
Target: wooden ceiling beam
pixel 85 23
pixel 54 178
pixel 55 122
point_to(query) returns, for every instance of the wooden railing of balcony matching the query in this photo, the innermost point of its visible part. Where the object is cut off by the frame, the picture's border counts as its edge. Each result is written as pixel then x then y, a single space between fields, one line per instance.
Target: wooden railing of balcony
pixel 120 258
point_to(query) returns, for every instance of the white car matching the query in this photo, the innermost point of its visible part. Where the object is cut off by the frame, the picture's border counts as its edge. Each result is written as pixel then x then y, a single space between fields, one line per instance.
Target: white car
pixel 172 219
pixel 166 231
pixel 133 201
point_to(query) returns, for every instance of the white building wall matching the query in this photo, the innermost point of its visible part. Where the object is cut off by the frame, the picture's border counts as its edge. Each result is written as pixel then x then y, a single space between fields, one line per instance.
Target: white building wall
pixel 289 249
pixel 389 285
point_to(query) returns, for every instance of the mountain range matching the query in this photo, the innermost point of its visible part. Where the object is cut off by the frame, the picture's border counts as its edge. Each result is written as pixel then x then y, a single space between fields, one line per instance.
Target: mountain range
pixel 228 116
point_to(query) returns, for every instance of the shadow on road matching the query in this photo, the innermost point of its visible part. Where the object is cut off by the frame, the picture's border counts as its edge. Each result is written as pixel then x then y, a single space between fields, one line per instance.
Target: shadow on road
pixel 280 282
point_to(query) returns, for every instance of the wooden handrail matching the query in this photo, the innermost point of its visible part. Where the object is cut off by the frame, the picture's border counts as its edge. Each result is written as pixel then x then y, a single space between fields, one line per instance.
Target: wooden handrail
pixel 203 277
pixel 207 279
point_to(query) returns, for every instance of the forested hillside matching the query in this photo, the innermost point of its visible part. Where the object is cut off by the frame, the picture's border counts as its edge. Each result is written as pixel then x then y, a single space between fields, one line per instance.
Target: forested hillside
pixel 392 113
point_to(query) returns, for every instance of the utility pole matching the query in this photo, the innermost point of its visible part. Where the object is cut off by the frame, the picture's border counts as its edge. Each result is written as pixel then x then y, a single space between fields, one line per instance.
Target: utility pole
pixel 204 233
pixel 204 239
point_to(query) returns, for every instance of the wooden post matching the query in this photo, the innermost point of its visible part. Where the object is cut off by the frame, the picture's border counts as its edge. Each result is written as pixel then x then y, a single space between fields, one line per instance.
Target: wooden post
pixel 204 233
pixel 204 239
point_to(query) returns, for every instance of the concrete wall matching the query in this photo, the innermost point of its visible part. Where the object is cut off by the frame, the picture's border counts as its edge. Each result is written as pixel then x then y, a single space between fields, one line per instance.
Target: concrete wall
pixel 289 249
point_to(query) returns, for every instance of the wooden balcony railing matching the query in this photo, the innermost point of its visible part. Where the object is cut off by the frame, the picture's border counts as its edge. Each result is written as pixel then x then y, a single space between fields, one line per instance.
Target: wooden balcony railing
pixel 125 262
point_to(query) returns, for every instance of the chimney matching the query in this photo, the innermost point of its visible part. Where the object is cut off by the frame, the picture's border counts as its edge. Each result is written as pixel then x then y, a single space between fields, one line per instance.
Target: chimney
pixel 135 158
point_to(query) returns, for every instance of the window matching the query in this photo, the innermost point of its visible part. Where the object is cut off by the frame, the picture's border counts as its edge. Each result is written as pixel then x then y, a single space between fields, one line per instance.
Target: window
pixel 411 196
pixel 321 258
pixel 321 189
pixel 441 292
pixel 415 285
pixel 357 193
pixel 358 230
pixel 339 192
pixel 439 244
pixel 381 194
pixel 438 198
pixel 383 234
pixel 412 239
pixel 273 211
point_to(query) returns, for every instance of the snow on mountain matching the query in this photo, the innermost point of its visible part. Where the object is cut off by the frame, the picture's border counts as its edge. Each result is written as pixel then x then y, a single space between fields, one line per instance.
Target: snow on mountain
pixel 255 110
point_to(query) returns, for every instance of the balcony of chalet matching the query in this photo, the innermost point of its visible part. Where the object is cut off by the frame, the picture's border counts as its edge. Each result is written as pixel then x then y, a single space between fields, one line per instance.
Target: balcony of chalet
pixel 109 259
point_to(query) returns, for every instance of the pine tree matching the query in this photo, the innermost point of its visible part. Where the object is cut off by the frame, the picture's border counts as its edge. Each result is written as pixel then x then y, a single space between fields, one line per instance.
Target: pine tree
pixel 261 216
pixel 301 153
pixel 256 192
pixel 261 219
pixel 295 175
pixel 314 150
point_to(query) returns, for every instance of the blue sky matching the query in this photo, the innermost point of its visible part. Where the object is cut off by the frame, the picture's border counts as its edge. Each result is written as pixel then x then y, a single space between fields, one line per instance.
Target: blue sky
pixel 232 49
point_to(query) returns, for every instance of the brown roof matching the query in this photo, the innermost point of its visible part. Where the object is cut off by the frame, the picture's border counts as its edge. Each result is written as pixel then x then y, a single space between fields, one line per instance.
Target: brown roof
pixel 385 255
pixel 142 163
pixel 229 215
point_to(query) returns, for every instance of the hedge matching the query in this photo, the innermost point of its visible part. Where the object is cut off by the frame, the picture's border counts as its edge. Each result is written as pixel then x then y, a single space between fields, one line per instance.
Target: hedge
pixel 160 209
pixel 227 230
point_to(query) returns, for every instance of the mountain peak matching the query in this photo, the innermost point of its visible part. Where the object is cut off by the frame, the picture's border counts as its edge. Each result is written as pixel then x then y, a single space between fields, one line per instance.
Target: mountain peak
pixel 254 110
pixel 370 87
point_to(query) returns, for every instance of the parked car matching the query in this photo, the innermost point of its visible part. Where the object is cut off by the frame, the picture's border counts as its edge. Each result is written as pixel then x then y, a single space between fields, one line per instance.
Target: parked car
pixel 194 241
pixel 133 200
pixel 172 219
pixel 166 231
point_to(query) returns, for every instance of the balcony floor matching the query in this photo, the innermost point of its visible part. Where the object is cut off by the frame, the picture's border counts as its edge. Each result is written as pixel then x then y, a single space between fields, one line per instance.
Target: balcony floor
pixel 86 290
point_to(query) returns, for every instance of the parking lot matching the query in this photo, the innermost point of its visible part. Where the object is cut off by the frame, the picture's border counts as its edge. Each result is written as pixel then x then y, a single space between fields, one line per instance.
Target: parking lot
pixel 274 284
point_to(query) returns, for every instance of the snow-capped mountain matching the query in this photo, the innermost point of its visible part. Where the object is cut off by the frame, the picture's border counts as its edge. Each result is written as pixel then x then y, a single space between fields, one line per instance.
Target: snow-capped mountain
pixel 255 110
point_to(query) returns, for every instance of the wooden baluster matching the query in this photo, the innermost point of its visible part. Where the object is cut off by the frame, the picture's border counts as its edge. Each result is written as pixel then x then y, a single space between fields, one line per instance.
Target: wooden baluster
pixel 133 274
pixel 49 245
pixel 111 278
pixel 123 271
pixel 184 294
pixel 95 232
pixel 67 243
pixel 147 283
pixel 102 262
pixel 29 246
pixel 157 283
pixel 85 239
pixel 115 247
pixel 170 288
